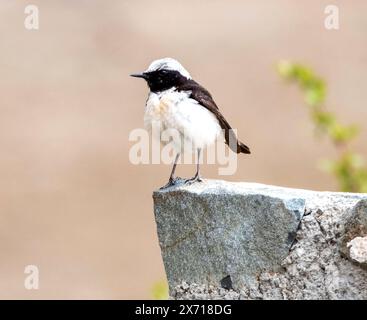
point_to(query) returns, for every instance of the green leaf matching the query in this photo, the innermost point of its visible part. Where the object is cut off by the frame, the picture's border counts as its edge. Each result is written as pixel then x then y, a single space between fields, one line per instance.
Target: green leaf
pixel 285 69
pixel 160 290
pixel 349 169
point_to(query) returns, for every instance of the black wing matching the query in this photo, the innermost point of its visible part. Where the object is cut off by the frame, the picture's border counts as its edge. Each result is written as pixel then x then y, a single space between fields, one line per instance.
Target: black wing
pixel 201 95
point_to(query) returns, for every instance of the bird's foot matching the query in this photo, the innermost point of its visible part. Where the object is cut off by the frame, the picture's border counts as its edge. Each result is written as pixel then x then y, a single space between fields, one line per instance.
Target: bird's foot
pixel 194 179
pixel 171 182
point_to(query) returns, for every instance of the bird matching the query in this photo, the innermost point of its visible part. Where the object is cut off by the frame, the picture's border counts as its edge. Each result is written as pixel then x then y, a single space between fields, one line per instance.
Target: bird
pixel 179 102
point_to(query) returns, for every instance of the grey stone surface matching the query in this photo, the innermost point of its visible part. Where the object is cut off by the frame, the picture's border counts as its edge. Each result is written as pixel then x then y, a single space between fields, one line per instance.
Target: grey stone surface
pixel 223 240
pixel 358 250
pixel 354 239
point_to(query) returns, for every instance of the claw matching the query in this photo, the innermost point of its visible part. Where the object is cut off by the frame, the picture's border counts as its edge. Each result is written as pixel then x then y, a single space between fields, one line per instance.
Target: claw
pixel 171 182
pixel 194 179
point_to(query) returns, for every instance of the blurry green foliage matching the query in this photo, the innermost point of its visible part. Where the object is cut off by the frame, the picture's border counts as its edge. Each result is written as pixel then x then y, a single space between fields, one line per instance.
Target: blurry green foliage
pixel 349 168
pixel 160 290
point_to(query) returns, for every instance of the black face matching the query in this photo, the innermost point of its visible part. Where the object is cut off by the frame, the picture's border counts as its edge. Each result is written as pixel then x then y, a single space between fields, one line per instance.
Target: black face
pixel 161 80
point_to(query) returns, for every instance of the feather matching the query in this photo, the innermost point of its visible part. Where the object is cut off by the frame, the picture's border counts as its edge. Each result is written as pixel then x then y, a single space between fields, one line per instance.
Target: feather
pixel 204 98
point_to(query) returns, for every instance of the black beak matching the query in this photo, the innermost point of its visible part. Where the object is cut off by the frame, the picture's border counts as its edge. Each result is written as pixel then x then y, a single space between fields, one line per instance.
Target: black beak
pixel 139 75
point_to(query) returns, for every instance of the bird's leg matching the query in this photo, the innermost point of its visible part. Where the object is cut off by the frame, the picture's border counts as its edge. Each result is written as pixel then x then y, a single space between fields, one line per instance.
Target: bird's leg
pixel 172 179
pixel 197 176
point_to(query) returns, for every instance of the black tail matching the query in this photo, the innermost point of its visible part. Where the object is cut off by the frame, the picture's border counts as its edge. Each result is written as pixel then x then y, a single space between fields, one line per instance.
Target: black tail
pixel 241 148
pixel 231 140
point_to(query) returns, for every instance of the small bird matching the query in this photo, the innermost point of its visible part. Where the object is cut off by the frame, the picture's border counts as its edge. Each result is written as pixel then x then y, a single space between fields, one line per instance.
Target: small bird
pixel 178 102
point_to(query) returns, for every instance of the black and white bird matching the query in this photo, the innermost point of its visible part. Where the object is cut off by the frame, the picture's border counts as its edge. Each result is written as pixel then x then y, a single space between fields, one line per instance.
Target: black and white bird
pixel 180 103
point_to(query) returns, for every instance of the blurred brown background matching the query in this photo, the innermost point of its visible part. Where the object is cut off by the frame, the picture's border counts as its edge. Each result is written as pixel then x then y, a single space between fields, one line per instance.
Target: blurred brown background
pixel 70 201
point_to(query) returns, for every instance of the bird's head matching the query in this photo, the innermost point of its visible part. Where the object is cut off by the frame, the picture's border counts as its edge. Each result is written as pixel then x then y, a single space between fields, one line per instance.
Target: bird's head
pixel 164 74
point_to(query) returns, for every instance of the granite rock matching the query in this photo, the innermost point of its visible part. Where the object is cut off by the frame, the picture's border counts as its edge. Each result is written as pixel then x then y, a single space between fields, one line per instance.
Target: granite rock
pixel 252 241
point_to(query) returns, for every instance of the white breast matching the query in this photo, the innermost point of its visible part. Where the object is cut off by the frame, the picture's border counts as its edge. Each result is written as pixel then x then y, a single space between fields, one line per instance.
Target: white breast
pixel 175 110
